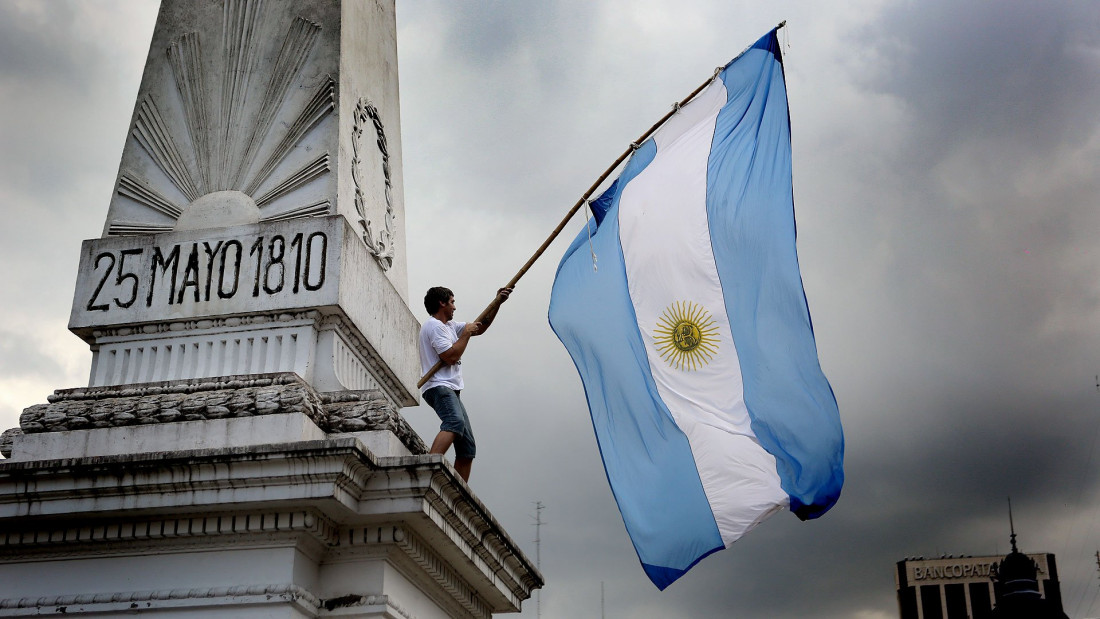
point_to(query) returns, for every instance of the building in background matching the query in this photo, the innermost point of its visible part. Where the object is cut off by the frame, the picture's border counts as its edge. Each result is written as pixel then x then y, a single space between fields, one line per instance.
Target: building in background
pixel 1016 584
pixel 967 587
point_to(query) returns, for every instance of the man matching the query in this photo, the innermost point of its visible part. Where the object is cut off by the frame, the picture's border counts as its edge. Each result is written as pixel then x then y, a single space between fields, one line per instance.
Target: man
pixel 444 339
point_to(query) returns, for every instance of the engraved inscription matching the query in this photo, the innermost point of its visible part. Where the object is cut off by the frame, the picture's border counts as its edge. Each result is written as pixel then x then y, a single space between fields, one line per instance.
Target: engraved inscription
pixel 194 273
pixel 123 278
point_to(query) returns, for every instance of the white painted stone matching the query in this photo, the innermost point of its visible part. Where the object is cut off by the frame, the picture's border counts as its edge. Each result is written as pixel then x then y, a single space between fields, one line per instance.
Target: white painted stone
pixel 205 569
pixel 381 443
pixel 197 274
pixel 303 296
pixel 285 530
pixel 179 436
pixel 190 435
pixel 344 368
pixel 219 209
pixel 253 347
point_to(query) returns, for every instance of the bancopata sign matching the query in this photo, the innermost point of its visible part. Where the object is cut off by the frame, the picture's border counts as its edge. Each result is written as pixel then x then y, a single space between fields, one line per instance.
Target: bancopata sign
pixel 939 571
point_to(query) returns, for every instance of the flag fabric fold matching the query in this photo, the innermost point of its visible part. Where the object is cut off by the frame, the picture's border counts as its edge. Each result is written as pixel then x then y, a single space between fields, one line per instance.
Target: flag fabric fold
pixel 693 339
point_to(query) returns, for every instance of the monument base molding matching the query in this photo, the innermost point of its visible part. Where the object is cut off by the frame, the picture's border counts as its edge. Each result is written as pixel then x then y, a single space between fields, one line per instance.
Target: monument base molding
pixel 250 516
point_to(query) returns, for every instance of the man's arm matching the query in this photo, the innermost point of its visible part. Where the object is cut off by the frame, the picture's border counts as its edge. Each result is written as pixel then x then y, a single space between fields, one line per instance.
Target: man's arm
pixel 454 353
pixel 488 320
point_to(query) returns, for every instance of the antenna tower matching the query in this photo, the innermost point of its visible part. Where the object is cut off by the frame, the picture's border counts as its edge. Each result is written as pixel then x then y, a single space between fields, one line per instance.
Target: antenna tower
pixel 1011 525
pixel 538 554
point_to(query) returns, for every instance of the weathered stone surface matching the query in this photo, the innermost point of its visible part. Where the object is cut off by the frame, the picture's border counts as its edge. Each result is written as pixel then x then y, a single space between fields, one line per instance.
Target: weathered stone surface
pixel 370 411
pixel 6 440
pixel 225 397
pixel 169 415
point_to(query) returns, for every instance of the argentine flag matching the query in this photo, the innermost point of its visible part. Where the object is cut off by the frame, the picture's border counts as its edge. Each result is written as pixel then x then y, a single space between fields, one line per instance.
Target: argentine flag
pixel 693 339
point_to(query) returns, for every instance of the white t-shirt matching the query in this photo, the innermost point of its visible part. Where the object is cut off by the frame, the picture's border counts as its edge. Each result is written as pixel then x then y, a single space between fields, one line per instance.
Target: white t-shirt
pixel 437 336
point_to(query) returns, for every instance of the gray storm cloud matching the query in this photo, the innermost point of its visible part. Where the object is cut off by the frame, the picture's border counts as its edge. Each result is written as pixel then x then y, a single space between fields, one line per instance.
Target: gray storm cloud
pixel 946 176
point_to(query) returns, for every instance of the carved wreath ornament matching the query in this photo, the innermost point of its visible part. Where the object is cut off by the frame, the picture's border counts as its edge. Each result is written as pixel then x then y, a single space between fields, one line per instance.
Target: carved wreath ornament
pixel 379 239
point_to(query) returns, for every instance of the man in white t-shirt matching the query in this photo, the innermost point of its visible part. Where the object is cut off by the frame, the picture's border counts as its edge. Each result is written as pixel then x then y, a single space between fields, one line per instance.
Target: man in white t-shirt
pixel 442 338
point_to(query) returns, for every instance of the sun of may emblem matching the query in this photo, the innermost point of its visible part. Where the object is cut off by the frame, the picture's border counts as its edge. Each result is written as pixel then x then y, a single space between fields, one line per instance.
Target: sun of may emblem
pixel 686 336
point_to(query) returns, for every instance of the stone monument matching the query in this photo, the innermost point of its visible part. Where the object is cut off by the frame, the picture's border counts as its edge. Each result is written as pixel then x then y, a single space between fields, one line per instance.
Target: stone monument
pixel 239 450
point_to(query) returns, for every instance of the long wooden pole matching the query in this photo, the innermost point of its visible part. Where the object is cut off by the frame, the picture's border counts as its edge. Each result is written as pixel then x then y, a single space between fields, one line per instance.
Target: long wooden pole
pixel 495 303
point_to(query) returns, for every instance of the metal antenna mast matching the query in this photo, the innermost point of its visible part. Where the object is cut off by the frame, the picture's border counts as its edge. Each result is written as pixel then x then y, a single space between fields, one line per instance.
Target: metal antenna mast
pixel 1011 526
pixel 538 554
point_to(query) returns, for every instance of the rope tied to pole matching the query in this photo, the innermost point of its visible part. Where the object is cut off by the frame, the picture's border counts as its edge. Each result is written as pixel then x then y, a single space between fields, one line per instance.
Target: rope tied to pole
pixel 588 226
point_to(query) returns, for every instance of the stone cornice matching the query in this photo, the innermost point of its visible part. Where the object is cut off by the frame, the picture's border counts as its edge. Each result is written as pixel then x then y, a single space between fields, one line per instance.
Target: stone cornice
pixel 346 483
pixel 220 323
pixel 193 385
pixel 421 562
pixel 497 556
pixel 113 535
pixel 217 597
pixel 452 503
pixel 381 602
pixel 192 479
pixel 127 601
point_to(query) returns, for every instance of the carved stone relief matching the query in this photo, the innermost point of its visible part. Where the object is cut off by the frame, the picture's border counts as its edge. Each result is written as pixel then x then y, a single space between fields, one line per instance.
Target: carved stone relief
pixel 228 121
pixel 378 235
pixel 220 398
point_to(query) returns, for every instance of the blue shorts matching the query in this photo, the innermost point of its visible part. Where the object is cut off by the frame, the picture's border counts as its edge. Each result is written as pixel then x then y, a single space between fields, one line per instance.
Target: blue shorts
pixel 452 417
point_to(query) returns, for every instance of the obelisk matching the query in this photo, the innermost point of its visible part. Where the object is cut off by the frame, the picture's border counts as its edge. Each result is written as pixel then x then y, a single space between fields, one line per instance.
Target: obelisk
pixel 257 223
pixel 239 450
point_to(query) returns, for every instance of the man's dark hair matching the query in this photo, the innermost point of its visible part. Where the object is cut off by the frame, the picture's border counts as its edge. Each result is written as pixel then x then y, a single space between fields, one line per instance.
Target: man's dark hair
pixel 435 297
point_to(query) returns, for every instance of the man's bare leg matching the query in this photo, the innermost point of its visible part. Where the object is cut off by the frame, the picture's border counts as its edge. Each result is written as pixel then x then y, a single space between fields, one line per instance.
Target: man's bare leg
pixel 462 465
pixel 442 442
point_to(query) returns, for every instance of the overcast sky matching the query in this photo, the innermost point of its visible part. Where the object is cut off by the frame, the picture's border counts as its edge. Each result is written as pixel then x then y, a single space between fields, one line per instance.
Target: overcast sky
pixel 946 173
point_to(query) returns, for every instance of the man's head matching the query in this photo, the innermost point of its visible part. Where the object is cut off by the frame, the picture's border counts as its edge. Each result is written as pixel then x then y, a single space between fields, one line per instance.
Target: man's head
pixel 438 298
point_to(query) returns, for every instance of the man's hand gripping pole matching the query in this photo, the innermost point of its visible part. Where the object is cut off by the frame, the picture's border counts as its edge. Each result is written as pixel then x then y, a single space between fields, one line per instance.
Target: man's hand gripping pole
pixel 481 318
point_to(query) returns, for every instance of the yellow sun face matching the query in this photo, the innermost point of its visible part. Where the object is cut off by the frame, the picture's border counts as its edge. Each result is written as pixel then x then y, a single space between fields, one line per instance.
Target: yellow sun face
pixel 686 336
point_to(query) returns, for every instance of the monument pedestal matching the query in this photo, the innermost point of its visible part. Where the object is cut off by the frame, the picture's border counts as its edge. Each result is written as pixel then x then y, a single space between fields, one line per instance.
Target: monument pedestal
pixel 269 511
pixel 238 451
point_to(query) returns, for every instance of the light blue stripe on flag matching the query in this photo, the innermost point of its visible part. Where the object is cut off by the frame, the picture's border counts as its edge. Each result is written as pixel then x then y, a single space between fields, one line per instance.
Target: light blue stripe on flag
pixel 693 339
pixel 751 210
pixel 641 446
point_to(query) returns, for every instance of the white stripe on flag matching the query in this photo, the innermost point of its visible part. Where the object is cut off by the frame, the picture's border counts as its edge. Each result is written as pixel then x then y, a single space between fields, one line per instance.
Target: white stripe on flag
pixel 663 207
